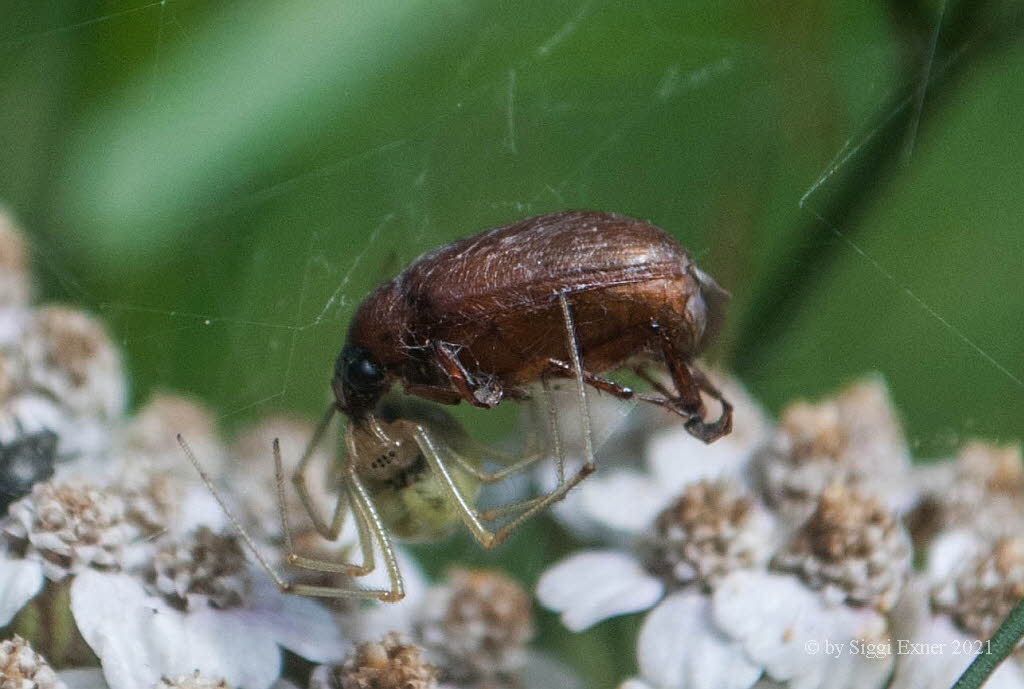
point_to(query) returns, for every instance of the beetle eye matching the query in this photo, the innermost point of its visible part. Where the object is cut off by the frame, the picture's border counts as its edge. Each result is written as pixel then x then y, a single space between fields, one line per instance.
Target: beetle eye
pixel 360 372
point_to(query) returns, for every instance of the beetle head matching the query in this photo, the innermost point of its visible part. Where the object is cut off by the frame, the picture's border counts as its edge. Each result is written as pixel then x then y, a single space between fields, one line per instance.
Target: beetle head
pixel 359 381
pixel 716 299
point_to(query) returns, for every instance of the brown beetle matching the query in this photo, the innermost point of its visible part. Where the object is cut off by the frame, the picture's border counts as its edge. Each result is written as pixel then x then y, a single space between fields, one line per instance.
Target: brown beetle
pixel 563 295
pixel 481 318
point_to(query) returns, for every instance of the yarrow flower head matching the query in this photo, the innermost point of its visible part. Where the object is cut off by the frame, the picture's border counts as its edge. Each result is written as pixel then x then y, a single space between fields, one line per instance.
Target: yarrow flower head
pixel 741 575
pixel 980 491
pixel 209 569
pixel 217 614
pixel 67 527
pixel 852 547
pixel 66 356
pixel 478 626
pixel 389 663
pixel 23 668
pixel 955 605
pixel 710 530
pixel 854 438
pixel 474 629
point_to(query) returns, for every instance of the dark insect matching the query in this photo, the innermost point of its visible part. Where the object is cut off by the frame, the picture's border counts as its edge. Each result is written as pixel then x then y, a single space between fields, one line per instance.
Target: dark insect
pixel 25 461
pixel 573 294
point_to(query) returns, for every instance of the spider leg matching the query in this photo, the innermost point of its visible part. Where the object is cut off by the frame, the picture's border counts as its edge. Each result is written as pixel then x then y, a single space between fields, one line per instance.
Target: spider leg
pixel 472 518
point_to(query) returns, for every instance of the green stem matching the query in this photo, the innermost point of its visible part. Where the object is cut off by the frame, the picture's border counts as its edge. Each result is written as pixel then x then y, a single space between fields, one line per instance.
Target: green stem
pixel 1010 632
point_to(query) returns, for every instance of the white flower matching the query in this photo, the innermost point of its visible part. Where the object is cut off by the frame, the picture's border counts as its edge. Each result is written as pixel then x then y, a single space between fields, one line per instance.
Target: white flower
pixel 593 585
pixel 648 459
pixel 66 355
pixel 854 437
pixel 784 626
pixel 472 630
pixel 982 491
pixel 60 529
pixel 680 646
pixel 477 626
pixel 729 619
pixel 150 470
pixel 390 662
pixel 852 548
pixel 936 649
pixel 711 529
pixel 209 612
pixel 758 626
pixel 940 625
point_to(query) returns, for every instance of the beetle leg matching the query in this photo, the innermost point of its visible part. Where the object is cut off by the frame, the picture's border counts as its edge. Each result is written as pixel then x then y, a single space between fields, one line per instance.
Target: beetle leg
pixel 689 383
pixel 485 395
pixel 558 367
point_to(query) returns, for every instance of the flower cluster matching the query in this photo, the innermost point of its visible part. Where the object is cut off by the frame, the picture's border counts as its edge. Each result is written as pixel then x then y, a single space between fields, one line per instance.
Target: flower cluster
pixel 789 560
pixel 114 554
pixel 471 631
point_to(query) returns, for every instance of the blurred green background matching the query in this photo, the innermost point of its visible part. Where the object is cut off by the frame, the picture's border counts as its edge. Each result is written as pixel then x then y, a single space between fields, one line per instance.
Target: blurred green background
pixel 224 181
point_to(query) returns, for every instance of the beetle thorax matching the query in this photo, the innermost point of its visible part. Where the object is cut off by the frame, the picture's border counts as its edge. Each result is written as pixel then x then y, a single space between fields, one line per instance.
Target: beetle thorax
pixel 380 325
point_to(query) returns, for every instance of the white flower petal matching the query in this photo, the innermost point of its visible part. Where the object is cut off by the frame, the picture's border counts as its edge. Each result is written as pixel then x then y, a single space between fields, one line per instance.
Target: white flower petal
pixel 867 657
pixel 139 639
pixel 623 500
pixel 676 459
pixel 106 609
pixel 542 671
pixel 86 678
pixel 20 581
pixel 949 551
pixel 798 637
pixel 597 584
pixel 776 619
pixel 679 647
pixel 635 683
pixel 299 624
pixel 373 622
pixel 934 663
pixel 219 644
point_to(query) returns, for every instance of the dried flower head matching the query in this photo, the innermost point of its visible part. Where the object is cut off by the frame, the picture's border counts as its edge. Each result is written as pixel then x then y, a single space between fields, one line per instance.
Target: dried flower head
pixel 15 283
pixel 149 463
pixel 386 664
pixel 853 547
pixel 193 681
pixel 854 438
pixel 206 568
pixel 984 590
pixel 710 530
pixel 478 626
pixel 23 668
pixel 68 526
pixel 983 489
pixel 69 356
pixel 151 438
